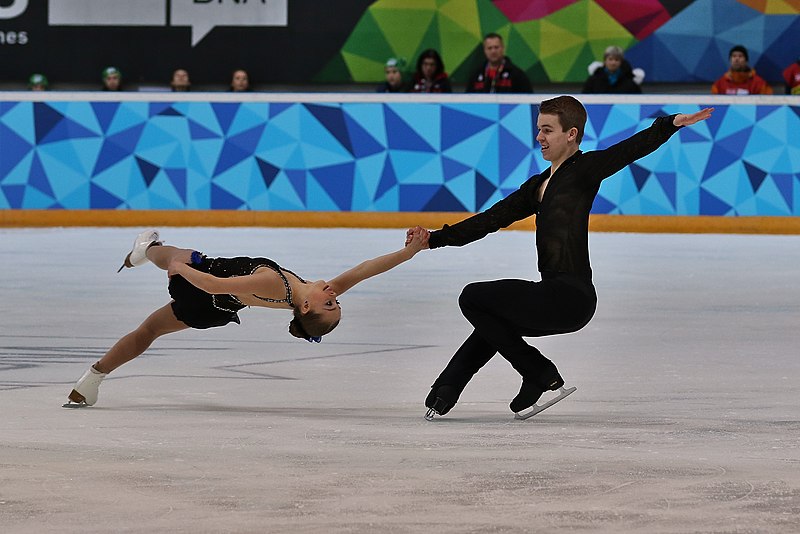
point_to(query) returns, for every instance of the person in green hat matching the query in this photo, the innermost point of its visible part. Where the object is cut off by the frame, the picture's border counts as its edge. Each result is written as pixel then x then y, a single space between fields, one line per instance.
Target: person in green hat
pixel 112 79
pixel 38 82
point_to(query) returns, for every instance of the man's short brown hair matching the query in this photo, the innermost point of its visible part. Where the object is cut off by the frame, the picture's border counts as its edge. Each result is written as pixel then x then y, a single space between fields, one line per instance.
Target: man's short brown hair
pixel 570 111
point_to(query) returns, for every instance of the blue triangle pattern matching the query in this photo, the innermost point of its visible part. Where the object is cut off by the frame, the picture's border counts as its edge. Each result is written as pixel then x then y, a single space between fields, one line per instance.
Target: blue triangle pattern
pixel 484 189
pixel 268 171
pixel 222 200
pixel 225 113
pixel 37 177
pixel 179 181
pixel 104 112
pixel 756 176
pixel 388 179
pixel 332 118
pixel 460 126
pixel 14 194
pixel 337 181
pixel 148 170
pixel 101 199
pixel 414 197
pixel 401 136
pixel 444 200
pixel 198 131
pixel 452 168
pixel 45 119
pixel 362 143
pixel 14 149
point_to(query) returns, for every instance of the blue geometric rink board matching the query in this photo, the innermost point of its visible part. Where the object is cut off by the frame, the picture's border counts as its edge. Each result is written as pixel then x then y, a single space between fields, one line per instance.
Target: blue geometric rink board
pixel 390 156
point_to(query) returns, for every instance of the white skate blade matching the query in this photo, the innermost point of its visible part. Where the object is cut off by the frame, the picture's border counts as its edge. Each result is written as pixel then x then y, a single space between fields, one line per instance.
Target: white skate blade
pixel 71 404
pixel 563 393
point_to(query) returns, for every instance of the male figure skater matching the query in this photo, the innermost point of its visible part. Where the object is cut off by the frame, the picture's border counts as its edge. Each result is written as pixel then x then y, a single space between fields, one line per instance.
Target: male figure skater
pixel 503 311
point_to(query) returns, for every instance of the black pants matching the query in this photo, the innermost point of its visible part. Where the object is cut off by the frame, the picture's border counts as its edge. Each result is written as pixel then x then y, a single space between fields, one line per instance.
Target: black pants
pixel 503 311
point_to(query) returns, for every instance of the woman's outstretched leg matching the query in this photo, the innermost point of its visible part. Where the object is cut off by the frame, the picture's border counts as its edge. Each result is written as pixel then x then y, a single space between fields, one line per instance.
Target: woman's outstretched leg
pixel 159 323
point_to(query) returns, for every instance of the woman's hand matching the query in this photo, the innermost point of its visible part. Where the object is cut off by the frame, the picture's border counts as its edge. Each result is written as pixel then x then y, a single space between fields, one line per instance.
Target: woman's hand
pixel 175 267
pixel 417 239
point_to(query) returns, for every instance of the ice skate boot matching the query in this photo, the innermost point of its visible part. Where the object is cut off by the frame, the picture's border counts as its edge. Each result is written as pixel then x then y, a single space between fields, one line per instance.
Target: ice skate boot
pixel 532 390
pixel 441 399
pixel 138 254
pixel 86 389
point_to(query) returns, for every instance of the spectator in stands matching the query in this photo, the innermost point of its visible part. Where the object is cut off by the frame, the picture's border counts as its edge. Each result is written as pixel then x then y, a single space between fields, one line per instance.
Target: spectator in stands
pixel 613 75
pixel 498 74
pixel 112 79
pixel 240 81
pixel 430 76
pixel 740 79
pixel 180 81
pixel 393 71
pixel 38 82
pixel 791 75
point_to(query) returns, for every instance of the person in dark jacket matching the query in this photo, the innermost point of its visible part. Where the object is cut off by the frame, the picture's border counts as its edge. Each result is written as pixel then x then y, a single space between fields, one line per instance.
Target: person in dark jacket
pixel 561 197
pixel 430 76
pixel 498 74
pixel 614 75
pixel 393 72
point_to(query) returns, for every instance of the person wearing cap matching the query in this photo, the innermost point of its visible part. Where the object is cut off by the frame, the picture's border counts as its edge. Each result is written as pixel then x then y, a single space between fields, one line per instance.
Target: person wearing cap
pixel 740 79
pixel 112 79
pixel 791 75
pixel 393 70
pixel 38 82
pixel 498 74
pixel 613 75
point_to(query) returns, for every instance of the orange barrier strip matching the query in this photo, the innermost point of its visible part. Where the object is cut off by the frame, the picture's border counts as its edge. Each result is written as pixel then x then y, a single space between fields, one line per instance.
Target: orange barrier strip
pixel 338 219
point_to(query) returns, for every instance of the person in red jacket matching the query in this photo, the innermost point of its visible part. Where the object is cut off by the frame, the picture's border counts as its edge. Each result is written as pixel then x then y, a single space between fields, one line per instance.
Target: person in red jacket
pixel 740 79
pixel 791 75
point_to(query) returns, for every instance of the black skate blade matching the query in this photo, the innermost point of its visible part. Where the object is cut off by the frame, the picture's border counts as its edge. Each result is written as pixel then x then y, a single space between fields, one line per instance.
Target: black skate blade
pixel 563 393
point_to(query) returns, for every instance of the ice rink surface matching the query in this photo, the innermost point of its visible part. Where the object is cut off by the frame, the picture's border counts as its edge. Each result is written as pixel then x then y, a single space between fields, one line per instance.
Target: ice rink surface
pixel 686 418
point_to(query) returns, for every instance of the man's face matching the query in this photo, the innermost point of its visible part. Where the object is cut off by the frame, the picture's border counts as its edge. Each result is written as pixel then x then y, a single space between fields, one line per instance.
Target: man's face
pixel 494 50
pixel 556 144
pixel 180 79
pixel 738 61
pixel 112 82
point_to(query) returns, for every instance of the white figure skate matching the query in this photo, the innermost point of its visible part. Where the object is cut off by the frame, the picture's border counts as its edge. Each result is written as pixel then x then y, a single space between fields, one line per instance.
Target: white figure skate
pixel 536 408
pixel 86 389
pixel 138 254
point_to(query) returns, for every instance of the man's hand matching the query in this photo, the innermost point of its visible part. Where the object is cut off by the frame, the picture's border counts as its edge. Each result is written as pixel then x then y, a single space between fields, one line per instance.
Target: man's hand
pixel 418 236
pixel 687 120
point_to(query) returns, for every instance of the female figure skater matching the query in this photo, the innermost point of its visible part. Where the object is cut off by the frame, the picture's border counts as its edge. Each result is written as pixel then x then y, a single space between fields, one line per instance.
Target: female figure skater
pixel 208 292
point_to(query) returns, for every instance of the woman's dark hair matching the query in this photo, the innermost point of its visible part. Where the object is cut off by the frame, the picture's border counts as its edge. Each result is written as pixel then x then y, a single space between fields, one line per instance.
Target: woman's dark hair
pixel 310 326
pixel 433 54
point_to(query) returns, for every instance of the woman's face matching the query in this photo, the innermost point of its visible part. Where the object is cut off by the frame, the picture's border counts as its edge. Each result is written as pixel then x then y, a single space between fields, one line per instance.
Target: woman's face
pixel 321 299
pixel 240 81
pixel 393 76
pixel 428 67
pixel 612 63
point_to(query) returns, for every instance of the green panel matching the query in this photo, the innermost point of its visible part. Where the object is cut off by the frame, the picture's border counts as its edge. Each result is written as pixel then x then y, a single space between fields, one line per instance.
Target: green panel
pixel 492 19
pixel 461 73
pixel 364 69
pixel 457 43
pixel 335 71
pixel 578 72
pixel 558 65
pixel 519 50
pixel 463 14
pixel 403 29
